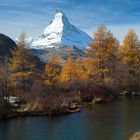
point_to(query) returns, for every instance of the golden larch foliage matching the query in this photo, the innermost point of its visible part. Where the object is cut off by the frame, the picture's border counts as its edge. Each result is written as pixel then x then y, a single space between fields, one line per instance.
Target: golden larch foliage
pixel 52 70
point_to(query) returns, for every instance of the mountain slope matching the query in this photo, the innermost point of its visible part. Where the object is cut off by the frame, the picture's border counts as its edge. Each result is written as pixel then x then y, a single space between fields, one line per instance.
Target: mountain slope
pixel 61 33
pixel 6 45
pixel 64 52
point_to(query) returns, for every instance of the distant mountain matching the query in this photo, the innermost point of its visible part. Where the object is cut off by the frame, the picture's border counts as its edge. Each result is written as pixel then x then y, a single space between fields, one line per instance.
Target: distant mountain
pixel 64 52
pixel 6 45
pixel 60 37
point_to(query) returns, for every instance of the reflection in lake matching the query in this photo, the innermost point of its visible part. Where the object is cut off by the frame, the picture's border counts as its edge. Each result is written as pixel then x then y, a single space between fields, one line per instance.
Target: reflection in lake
pixel 114 121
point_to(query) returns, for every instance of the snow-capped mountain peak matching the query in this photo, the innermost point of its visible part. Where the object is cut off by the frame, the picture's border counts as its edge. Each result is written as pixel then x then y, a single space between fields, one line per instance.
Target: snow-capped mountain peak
pixel 61 33
pixel 57 24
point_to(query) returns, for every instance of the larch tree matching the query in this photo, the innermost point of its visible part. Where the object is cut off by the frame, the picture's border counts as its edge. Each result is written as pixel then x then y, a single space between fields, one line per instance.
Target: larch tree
pixel 89 69
pixel 52 70
pixel 22 65
pixel 130 59
pixel 103 51
pixel 75 70
pixel 80 73
pixel 111 59
pixel 84 68
pixel 68 71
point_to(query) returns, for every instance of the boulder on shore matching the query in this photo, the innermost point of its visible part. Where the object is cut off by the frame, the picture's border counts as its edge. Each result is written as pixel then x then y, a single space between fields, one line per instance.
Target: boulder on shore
pixel 136 136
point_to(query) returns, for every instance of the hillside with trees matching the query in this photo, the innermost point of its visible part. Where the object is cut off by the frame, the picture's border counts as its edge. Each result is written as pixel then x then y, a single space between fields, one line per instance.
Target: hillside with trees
pixel 58 87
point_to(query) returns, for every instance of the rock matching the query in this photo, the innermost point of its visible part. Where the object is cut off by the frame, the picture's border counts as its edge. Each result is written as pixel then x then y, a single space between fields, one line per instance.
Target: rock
pixel 135 94
pixel 38 113
pixel 123 93
pixel 136 136
pixel 23 114
pixel 14 101
pixel 73 107
pixel 98 101
pixel 11 115
pixel 87 98
pixel 55 112
pixel 74 111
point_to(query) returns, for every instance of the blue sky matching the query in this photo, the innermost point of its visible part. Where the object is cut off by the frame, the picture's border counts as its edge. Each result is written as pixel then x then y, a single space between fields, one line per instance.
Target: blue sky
pixel 32 16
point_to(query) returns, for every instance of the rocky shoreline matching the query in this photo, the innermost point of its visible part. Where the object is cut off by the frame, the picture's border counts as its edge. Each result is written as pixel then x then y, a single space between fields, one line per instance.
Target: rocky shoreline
pixel 17 114
pixel 72 107
pixel 65 110
pixel 53 112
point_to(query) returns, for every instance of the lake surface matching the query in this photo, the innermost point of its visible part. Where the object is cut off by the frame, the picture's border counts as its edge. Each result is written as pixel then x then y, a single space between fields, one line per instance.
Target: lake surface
pixel 114 121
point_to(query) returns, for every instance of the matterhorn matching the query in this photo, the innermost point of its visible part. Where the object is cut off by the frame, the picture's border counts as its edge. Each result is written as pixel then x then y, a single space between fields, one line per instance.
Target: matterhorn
pixel 58 36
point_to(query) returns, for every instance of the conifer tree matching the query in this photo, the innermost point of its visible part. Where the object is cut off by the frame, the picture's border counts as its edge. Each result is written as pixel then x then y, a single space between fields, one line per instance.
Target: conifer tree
pixel 52 70
pixel 103 50
pixel 68 71
pixel 84 69
pixel 89 69
pixel 80 69
pixel 22 65
pixel 130 59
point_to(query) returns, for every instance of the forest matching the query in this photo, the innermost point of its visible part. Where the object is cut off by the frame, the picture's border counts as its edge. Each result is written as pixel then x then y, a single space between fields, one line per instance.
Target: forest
pixel 58 87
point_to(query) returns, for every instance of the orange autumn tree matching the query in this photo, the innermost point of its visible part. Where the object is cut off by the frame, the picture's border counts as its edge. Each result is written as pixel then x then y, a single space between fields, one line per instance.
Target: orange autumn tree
pixel 112 59
pixel 21 65
pixel 68 71
pixel 89 70
pixel 84 69
pixel 80 69
pixel 75 69
pixel 103 52
pixel 52 70
pixel 130 59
